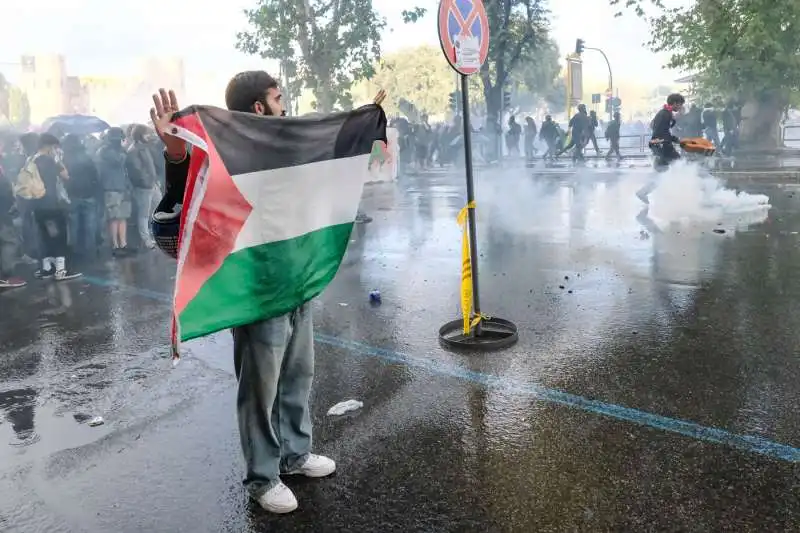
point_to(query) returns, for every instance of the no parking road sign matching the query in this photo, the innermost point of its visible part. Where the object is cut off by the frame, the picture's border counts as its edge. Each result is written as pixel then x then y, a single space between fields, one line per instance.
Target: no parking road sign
pixel 464 34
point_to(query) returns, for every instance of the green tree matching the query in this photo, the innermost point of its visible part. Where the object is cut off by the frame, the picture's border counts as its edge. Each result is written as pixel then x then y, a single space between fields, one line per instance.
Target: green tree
pixel 337 41
pixel 19 109
pixel 538 77
pixel 743 50
pixel 518 31
pixel 419 76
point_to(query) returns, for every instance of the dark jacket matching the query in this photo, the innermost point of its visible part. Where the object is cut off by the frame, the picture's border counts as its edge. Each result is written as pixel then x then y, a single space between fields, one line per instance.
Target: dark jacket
pixel 49 170
pixel 581 125
pixel 548 132
pixel 662 125
pixel 709 118
pixel 612 130
pixel 140 166
pixel 84 180
pixel 176 175
pixel 728 120
pixel 111 165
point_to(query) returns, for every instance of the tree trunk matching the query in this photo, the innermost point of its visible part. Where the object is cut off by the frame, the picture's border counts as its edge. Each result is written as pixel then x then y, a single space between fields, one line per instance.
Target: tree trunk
pixel 492 94
pixel 760 126
pixel 324 100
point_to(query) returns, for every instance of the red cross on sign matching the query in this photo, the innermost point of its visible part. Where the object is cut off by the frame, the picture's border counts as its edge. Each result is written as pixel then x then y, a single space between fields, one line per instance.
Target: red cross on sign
pixel 464 34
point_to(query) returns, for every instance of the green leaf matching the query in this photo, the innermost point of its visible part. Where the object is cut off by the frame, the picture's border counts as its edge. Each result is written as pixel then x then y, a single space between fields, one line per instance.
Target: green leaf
pixel 326 44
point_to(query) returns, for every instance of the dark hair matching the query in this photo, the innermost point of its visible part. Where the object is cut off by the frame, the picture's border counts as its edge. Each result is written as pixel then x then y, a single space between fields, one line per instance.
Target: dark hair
pixel 138 132
pixel 675 99
pixel 247 88
pixel 116 134
pixel 46 140
pixel 72 143
pixel 29 142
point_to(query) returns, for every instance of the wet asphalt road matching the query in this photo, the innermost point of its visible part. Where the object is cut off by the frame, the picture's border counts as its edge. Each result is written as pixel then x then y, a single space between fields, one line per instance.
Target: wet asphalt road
pixel 656 391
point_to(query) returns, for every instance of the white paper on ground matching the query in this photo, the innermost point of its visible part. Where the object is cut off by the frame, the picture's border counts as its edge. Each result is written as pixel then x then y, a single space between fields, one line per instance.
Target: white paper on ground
pixel 345 407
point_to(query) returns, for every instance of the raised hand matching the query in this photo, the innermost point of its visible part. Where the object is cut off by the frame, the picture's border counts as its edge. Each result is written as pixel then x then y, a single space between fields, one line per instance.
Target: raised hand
pixel 165 104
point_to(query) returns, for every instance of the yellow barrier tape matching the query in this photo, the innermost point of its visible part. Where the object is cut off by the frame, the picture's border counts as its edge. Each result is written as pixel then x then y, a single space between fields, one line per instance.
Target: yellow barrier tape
pixel 466 272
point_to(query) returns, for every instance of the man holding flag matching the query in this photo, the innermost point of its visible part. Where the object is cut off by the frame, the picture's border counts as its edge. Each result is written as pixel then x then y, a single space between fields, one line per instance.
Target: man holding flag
pixel 267 206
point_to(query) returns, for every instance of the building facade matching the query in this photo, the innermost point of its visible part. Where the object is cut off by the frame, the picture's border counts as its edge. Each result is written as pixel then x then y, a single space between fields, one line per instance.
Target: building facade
pixel 52 91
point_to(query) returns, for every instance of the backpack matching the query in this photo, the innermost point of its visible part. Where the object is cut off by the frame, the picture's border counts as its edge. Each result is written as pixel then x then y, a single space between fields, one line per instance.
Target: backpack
pixel 29 184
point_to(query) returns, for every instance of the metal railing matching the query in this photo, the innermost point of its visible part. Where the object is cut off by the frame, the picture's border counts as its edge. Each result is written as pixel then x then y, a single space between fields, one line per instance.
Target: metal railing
pixel 790 135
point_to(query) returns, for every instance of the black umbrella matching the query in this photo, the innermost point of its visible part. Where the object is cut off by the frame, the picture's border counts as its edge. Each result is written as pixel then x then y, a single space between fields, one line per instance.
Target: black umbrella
pixel 75 124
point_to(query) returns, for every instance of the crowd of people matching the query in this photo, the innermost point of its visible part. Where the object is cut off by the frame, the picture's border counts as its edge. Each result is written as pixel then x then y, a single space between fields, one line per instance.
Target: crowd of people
pixel 68 198
pixel 706 121
pixel 423 146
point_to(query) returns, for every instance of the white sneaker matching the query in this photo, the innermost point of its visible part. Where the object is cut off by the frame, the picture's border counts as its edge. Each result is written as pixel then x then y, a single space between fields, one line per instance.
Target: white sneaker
pixel 66 275
pixel 279 499
pixel 315 466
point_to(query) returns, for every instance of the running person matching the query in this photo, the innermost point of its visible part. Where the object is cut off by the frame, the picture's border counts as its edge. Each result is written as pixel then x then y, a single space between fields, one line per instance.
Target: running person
pixel 662 141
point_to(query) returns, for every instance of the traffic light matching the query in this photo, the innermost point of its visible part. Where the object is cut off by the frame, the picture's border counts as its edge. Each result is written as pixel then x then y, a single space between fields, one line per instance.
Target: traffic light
pixel 454 101
pixel 609 103
pixel 617 103
pixel 579 46
pixel 506 99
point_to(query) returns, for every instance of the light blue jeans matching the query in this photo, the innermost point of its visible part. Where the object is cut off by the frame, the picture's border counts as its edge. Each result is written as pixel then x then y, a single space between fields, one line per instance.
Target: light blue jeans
pixel 274 363
pixel 144 200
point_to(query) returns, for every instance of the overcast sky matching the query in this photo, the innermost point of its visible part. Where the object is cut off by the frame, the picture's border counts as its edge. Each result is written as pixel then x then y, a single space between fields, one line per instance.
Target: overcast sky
pixel 103 37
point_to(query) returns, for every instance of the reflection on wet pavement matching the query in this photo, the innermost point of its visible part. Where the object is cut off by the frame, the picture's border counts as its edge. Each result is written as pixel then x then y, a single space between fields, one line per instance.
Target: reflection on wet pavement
pixel 653 384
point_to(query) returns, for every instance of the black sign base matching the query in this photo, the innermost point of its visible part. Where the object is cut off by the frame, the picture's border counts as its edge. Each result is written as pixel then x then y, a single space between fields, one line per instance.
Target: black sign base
pixel 495 334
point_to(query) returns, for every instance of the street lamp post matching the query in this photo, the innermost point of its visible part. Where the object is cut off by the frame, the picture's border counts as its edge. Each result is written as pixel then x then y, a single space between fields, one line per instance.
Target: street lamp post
pixel 580 46
pixel 610 80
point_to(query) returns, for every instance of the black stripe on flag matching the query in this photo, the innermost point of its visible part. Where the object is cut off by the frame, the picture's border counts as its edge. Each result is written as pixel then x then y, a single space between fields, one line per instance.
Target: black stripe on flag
pixel 247 142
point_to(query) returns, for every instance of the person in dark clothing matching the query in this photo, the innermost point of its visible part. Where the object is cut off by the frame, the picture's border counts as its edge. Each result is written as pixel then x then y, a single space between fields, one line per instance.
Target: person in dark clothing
pixel 512 137
pixel 549 134
pixel 422 136
pixel 83 188
pixel 579 124
pixel 591 134
pixel 9 243
pixel 691 123
pixel 731 129
pixel 530 138
pixel 51 210
pixel 662 141
pixel 612 136
pixel 710 125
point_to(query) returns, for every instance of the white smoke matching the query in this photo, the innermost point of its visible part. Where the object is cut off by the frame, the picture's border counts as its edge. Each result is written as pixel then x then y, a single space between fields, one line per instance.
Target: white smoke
pixel 686 194
pixel 591 208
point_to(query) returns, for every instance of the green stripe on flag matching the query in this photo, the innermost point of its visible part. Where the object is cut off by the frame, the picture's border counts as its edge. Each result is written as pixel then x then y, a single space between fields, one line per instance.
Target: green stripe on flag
pixel 266 281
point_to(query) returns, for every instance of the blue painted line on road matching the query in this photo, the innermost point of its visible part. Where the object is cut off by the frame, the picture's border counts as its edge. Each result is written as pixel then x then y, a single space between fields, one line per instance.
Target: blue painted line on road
pixel 748 443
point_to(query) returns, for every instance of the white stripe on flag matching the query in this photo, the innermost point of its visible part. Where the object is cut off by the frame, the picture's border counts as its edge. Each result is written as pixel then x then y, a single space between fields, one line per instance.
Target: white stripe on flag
pixel 292 201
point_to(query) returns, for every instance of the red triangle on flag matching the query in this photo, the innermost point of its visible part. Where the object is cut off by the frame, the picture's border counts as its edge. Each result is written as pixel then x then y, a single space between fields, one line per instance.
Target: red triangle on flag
pixel 209 231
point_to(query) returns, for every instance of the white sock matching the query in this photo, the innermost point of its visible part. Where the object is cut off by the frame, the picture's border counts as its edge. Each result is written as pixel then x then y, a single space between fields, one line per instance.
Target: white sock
pixel 47 263
pixel 60 263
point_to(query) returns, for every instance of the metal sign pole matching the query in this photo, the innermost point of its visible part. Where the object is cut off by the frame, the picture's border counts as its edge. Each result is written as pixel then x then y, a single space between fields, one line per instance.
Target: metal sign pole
pixel 473 241
pixel 466 48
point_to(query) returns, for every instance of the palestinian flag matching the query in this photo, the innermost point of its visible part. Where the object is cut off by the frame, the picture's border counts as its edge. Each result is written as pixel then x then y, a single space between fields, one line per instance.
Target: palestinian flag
pixel 269 206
